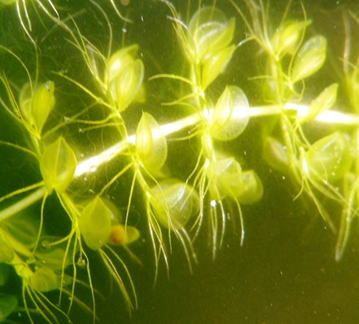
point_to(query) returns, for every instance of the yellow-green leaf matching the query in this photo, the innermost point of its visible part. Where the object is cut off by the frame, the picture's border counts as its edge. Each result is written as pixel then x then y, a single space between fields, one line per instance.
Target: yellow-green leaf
pixel 174 203
pixel 252 188
pixel 43 101
pixel 230 116
pixel 58 163
pixel 329 158
pixel 124 77
pixel 210 31
pixel 225 174
pixel 151 144
pixel 214 64
pixel 44 279
pixel 286 38
pixel 325 101
pixel 310 58
pixel 95 223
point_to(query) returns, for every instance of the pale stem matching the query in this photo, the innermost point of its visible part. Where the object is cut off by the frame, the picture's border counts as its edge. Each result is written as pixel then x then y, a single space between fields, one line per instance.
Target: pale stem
pixel 91 164
pixel 22 203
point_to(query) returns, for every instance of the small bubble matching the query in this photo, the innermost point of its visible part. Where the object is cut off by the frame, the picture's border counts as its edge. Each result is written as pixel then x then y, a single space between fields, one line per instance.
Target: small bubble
pixel 124 30
pixel 213 203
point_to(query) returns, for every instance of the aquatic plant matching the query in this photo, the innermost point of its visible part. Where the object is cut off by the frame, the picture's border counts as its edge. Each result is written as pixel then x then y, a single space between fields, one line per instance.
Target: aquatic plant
pixel 95 161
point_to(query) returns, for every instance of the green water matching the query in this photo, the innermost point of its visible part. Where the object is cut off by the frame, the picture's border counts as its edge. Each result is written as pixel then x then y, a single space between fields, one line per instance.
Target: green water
pixel 285 272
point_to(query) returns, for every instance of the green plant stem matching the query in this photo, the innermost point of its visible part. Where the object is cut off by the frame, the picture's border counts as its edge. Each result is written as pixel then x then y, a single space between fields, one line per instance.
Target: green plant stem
pixel 91 164
pixel 23 203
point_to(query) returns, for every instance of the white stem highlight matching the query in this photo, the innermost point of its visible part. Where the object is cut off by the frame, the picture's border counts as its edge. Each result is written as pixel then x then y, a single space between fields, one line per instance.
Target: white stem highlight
pixel 91 164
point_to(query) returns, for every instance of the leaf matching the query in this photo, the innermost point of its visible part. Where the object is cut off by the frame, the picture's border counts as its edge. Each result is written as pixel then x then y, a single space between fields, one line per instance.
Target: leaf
pixel 275 154
pixel 210 31
pixel 310 58
pixel 215 64
pixel 7 253
pixel 4 273
pixel 325 101
pixel 36 106
pixel 44 279
pixel 230 116
pixel 252 188
pixel 286 38
pixel 151 144
pixel 329 158
pixel 95 223
pixel 124 77
pixel 8 304
pixel 43 101
pixel 225 173
pixel 58 163
pixel 174 203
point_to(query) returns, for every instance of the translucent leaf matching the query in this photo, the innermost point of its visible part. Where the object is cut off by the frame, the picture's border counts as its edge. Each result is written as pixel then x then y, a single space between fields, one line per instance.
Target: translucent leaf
pixel 310 58
pixel 324 101
pixel 5 3
pixel 4 273
pixel 58 163
pixel 174 203
pixel 215 64
pixel 286 38
pixel 211 31
pixel 53 257
pixel 6 251
pixel 329 158
pixel 8 304
pixel 44 279
pixel 36 106
pixel 151 145
pixel 230 116
pixel 25 99
pixel 226 174
pixel 43 101
pixel 123 235
pixel 251 188
pixel 275 154
pixel 124 77
pixel 95 223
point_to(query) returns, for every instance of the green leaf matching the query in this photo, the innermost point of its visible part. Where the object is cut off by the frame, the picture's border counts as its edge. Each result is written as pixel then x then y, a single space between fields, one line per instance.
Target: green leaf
pixel 124 77
pixel 4 273
pixel 252 188
pixel 226 173
pixel 44 279
pixel 230 116
pixel 329 158
pixel 210 31
pixel 43 101
pixel 7 253
pixel 286 38
pixel 95 223
pixel 275 154
pixel 310 58
pixel 215 64
pixel 325 101
pixel 36 105
pixel 151 144
pixel 8 304
pixel 174 203
pixel 58 163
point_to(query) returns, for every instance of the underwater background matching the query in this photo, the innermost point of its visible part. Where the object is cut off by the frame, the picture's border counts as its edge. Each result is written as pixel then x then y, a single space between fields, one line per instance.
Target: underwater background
pixel 286 271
